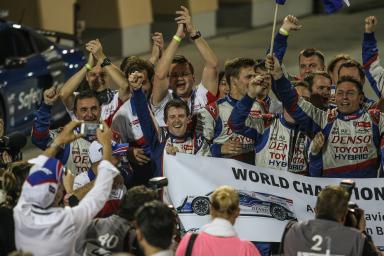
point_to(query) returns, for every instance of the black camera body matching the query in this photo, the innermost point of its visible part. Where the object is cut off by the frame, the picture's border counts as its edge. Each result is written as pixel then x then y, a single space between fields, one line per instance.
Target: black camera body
pixel 355 213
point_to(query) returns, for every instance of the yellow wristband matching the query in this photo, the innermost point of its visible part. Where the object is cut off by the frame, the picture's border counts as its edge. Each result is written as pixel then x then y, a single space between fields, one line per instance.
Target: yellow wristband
pixel 177 38
pixel 88 66
pixel 283 32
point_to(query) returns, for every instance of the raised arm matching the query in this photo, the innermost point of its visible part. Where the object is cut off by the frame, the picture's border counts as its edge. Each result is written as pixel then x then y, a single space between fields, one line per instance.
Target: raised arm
pixel 371 61
pixel 161 81
pixel 211 66
pixel 157 48
pixel 98 195
pixel 290 23
pixel 240 113
pixel 139 101
pixel 66 92
pixel 311 118
pixel 117 76
pixel 41 136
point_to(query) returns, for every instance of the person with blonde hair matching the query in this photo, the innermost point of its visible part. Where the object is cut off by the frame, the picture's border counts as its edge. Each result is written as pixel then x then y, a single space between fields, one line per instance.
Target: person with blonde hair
pixel 219 236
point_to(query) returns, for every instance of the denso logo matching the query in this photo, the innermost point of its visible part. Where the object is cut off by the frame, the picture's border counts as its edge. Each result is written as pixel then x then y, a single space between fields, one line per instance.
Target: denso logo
pixel 29 99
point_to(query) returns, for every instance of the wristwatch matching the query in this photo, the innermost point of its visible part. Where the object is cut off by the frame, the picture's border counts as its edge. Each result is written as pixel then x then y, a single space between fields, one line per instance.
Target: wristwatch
pixel 196 36
pixel 106 62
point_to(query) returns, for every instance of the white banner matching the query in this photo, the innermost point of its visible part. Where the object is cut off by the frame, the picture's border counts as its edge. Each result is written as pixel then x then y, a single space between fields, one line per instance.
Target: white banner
pixel 268 198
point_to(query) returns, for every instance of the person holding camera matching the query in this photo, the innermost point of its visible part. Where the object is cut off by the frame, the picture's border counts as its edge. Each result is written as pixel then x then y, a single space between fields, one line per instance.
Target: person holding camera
pixel 41 226
pixel 74 155
pixel 327 234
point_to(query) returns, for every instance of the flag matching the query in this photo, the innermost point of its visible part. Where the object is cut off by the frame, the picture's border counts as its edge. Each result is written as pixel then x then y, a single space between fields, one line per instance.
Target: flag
pixel 280 2
pixel 332 6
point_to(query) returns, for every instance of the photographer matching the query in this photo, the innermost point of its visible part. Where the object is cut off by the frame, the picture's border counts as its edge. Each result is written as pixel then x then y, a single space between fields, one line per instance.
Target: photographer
pixel 55 229
pixel 10 146
pixel 327 235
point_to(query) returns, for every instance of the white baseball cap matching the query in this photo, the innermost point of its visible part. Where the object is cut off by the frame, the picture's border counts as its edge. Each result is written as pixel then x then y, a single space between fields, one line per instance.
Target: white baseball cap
pixel 95 151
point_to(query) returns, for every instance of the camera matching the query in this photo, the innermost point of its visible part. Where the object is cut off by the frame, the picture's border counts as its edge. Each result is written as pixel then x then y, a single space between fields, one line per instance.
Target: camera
pixel 355 213
pixel 90 128
pixel 10 148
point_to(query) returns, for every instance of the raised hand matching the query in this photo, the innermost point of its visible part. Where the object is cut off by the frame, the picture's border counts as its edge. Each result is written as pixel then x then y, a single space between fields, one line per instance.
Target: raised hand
pixel 186 19
pixel 135 80
pixel 257 85
pixel 51 95
pixel 104 136
pixel 370 24
pixel 273 66
pixel 95 47
pixel 66 135
pixel 291 23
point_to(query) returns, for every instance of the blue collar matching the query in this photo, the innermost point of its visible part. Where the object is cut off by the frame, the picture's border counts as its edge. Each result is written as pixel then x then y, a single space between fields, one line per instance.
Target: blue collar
pixel 347 117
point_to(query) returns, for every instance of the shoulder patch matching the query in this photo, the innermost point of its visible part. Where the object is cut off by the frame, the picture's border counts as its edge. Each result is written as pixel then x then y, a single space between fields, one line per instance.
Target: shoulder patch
pixel 375 115
pixel 213 110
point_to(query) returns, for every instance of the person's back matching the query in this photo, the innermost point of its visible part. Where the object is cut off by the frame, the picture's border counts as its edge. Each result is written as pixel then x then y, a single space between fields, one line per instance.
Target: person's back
pixel 207 244
pixel 318 235
pixel 327 235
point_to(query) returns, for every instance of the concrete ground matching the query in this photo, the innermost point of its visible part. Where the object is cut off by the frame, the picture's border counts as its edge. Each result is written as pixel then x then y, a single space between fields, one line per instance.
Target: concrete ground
pixel 332 34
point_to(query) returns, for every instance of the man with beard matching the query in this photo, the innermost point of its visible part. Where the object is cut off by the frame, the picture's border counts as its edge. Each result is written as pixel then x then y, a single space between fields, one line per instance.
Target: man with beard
pixel 320 87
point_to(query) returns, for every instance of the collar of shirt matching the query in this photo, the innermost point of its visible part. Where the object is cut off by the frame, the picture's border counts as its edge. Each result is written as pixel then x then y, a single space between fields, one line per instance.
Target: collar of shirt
pixel 219 227
pixel 164 253
pixel 347 117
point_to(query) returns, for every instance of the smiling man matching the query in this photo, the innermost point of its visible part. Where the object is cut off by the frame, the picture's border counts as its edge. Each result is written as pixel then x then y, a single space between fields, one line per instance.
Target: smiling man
pixel 176 136
pixel 352 136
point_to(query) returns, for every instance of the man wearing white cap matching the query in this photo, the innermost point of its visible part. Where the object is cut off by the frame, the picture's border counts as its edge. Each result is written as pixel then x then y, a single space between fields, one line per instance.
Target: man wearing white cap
pixel 41 227
pixel 84 181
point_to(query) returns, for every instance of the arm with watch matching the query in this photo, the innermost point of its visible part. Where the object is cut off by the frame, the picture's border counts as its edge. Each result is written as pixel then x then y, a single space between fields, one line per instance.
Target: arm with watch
pixel 211 66
pixel 114 72
pixel 160 80
pixel 66 92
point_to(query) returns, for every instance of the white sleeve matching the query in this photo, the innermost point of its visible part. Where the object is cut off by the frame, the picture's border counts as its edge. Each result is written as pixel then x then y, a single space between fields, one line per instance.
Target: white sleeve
pixel 158 110
pixel 95 199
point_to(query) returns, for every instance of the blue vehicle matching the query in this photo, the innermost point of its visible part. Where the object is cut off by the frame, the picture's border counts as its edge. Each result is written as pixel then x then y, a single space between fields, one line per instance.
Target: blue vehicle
pixel 251 204
pixel 29 64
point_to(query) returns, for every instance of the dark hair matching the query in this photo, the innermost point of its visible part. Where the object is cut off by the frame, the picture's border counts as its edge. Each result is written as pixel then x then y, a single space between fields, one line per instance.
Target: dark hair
pixel 309 52
pixel 232 67
pixel 310 77
pixel 133 63
pixel 353 64
pixel 134 199
pixel 335 60
pixel 221 75
pixel 157 224
pixel 300 83
pixel 332 203
pixel 180 59
pixel 352 80
pixel 86 94
pixel 260 63
pixel 175 103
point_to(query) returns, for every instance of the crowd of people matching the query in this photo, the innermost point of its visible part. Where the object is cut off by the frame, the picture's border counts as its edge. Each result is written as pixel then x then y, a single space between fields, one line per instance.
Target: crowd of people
pixel 86 193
